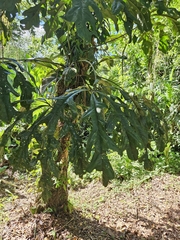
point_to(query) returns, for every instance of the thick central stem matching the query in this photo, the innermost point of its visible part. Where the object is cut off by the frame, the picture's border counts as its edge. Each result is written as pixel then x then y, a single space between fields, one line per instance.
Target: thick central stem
pixel 59 194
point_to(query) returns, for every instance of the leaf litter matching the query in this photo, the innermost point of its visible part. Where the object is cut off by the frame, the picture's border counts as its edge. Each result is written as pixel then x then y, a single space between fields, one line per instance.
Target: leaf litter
pixel 150 211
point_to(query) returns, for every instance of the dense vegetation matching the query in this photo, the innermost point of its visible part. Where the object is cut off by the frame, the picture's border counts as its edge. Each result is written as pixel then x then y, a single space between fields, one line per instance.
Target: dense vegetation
pixel 106 79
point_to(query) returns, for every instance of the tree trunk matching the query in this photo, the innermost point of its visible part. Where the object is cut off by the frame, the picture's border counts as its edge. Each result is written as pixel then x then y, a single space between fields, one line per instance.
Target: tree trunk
pixel 59 194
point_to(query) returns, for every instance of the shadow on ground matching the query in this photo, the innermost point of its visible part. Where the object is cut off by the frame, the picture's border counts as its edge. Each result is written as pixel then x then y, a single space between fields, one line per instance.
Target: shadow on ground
pixel 45 226
pixel 150 213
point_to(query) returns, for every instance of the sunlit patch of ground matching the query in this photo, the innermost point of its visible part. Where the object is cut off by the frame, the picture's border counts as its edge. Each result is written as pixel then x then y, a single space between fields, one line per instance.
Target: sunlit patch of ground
pixel 150 211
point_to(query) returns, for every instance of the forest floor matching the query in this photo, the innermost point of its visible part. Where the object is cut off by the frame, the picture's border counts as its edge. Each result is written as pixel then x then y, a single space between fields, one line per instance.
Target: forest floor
pixel 147 211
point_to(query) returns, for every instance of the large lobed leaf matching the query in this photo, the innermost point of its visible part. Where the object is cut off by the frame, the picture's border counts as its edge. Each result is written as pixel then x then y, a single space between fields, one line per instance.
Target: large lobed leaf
pixel 85 14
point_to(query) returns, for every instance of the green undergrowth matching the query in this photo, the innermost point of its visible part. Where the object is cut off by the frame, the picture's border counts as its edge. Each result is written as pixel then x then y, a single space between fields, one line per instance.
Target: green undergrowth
pixel 129 174
pixel 7 196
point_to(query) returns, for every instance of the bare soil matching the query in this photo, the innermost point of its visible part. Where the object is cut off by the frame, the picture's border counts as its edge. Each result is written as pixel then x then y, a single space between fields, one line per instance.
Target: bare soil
pixel 150 211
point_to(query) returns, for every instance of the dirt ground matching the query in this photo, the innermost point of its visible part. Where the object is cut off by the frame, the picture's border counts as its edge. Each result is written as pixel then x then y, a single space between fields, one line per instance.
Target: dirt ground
pixel 150 211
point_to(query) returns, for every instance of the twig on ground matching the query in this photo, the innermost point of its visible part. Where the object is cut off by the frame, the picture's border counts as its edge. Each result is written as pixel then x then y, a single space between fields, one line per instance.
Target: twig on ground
pixel 61 228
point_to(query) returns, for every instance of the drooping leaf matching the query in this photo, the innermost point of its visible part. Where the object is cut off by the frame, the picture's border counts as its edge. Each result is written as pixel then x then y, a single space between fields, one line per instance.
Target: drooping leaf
pixel 128 25
pixel 131 150
pixel 76 152
pixel 147 162
pixel 96 163
pixel 7 110
pixel 140 15
pixel 108 172
pixel 26 90
pixel 59 110
pixel 117 6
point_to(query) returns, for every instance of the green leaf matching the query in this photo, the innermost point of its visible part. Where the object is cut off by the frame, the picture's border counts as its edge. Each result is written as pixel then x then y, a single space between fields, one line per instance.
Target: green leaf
pixel 58 111
pixel 8 5
pixel 96 163
pixel 132 151
pixel 76 152
pixel 3 169
pixel 128 25
pixel 46 62
pixel 146 46
pixel 54 23
pixel 32 19
pixel 50 27
pixel 84 13
pixel 160 5
pixel 164 42
pixel 108 172
pixel 7 111
pixel 90 143
pixel 113 37
pixel 60 32
pixel 53 117
pixel 26 90
pixel 135 38
pixel 98 141
pixel 10 8
pixel 147 163
pixel 3 112
pixel 4 33
pixel 107 13
pixel 73 107
pixel 160 143
pixel 5 137
pixel 117 6
pixel 127 123
pixel 146 3
pixel 136 13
